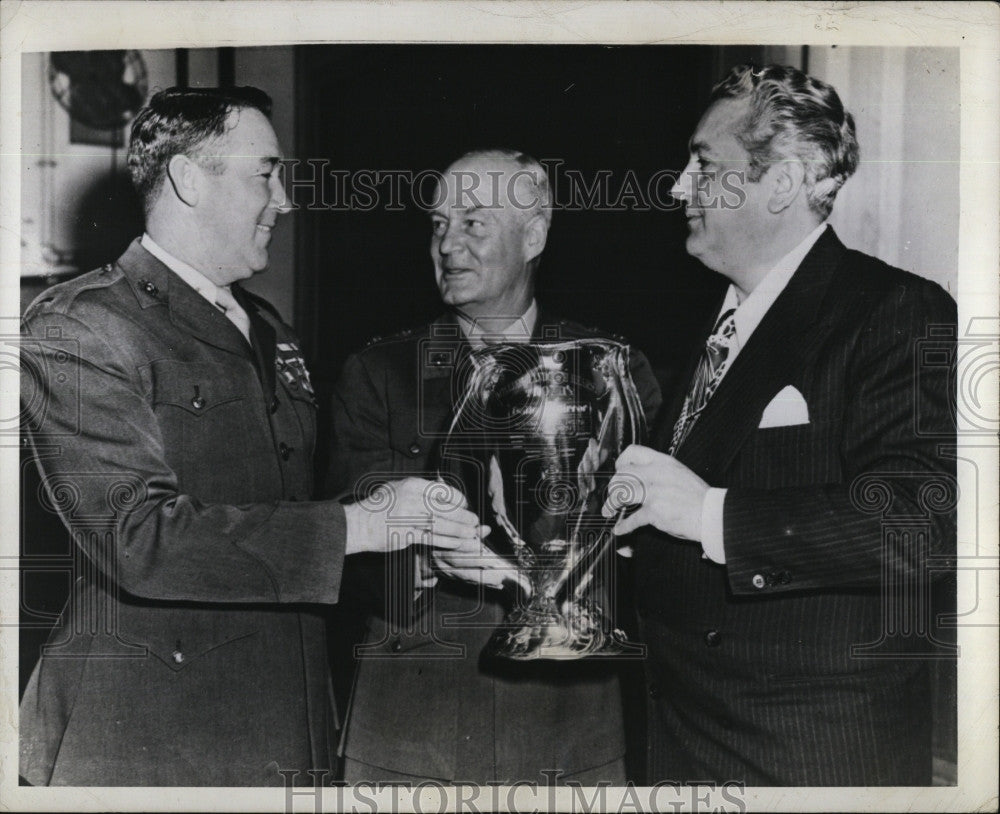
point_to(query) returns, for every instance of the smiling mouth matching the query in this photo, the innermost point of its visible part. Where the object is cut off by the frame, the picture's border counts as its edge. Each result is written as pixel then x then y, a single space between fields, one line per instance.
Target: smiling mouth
pixel 263 227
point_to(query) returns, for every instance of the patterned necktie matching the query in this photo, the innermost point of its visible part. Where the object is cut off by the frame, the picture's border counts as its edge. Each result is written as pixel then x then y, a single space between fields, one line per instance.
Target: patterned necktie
pixel 707 375
pixel 226 303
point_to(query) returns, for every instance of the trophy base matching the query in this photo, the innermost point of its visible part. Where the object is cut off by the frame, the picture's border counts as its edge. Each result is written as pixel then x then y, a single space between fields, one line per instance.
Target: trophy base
pixel 531 634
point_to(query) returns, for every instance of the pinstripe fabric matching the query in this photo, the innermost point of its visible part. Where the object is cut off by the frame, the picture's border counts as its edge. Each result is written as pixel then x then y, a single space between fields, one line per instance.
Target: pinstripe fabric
pixel 751 670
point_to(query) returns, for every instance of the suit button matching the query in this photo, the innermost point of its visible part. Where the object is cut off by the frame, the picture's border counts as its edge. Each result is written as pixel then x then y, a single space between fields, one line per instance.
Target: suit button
pixel 713 638
pixel 758 581
pixel 274 405
pixel 285 451
pixel 414 448
pixel 178 657
pixel 654 691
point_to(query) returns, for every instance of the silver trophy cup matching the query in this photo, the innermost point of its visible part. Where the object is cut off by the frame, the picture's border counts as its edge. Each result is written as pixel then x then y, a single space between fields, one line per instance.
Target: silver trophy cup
pixel 534 438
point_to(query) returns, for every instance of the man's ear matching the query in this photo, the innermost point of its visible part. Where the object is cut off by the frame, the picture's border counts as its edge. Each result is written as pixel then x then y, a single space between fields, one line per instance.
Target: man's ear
pixel 788 176
pixel 185 179
pixel 536 231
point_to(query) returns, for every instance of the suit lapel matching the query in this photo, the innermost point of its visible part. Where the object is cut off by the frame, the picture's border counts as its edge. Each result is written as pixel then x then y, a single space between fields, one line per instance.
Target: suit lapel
pixel 782 344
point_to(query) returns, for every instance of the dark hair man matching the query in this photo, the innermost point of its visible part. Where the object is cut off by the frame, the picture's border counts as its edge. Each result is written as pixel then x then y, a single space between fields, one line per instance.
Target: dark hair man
pixel 426 705
pixel 770 572
pixel 174 421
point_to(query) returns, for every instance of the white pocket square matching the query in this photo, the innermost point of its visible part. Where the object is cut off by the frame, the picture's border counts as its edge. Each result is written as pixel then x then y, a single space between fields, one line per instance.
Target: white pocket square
pixel 786 409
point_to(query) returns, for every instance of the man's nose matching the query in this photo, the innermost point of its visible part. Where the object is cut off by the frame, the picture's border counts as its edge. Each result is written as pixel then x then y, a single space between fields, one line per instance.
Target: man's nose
pixel 448 242
pixel 682 188
pixel 279 200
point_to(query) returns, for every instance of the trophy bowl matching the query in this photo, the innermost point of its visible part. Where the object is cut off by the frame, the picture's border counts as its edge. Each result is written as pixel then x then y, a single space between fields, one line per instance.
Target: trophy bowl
pixel 534 438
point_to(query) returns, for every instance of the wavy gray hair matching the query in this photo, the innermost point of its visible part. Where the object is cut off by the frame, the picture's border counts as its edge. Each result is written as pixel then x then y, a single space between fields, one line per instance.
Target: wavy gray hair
pixel 794 115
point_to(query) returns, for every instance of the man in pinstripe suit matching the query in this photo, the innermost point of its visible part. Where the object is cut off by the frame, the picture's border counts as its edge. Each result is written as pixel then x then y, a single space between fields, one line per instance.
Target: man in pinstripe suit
pixel 800 489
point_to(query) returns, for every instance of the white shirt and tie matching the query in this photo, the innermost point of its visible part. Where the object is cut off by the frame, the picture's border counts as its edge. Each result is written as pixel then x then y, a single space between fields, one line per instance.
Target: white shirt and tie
pixel 482 331
pixel 747 317
pixel 219 296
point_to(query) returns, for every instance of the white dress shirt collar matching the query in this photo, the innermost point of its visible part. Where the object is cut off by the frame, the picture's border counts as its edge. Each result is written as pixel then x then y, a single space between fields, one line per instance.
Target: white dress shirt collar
pixel 194 278
pixel 751 311
pixel 520 330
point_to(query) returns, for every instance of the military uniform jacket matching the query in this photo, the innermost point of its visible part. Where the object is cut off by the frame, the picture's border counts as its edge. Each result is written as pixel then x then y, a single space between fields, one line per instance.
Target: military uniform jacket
pixel 424 703
pixel 180 459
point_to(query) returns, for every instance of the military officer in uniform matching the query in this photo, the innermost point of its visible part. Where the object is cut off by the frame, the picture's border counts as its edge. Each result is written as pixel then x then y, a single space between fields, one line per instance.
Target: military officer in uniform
pixel 464 718
pixel 174 422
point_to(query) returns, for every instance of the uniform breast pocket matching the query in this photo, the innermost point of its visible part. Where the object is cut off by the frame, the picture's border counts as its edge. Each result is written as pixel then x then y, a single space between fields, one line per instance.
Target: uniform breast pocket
pixel 205 413
pixel 304 405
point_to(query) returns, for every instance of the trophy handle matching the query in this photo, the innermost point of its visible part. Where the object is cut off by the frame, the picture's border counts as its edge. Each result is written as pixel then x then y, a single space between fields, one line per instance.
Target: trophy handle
pixel 632 403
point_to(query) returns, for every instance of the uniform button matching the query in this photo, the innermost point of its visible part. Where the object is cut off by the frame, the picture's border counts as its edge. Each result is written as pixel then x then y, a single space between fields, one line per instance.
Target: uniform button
pixel 397 644
pixel 414 448
pixel 654 691
pixel 274 405
pixel 178 656
pixel 713 638
pixel 784 578
pixel 284 450
pixel 197 402
pixel 149 288
pixel 758 581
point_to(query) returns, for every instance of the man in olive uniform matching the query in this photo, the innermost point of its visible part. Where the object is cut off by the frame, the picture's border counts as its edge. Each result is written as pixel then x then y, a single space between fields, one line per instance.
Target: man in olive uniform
pixel 174 422
pixel 425 705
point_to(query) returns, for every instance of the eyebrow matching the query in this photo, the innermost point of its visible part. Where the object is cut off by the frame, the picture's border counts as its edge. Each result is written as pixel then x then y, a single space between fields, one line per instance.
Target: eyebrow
pixel 270 161
pixel 467 211
pixel 699 147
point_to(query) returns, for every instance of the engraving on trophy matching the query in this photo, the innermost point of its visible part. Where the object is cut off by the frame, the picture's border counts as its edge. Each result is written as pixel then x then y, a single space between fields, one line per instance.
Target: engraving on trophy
pixel 545 423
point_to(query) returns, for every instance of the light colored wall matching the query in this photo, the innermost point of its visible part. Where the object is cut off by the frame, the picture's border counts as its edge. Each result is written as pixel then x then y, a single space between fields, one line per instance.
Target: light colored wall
pixel 902 205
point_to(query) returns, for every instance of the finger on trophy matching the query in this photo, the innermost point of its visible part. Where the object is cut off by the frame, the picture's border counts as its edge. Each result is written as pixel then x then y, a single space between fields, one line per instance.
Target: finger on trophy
pixel 449 527
pixel 520 580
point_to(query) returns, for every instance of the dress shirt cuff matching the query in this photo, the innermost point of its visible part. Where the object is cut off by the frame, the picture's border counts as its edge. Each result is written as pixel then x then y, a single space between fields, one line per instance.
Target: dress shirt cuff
pixel 711 525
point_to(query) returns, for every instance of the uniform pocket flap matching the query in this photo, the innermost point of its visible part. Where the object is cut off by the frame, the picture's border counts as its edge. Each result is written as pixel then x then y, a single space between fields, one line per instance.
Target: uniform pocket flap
pixel 180 636
pixel 194 387
pixel 404 434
